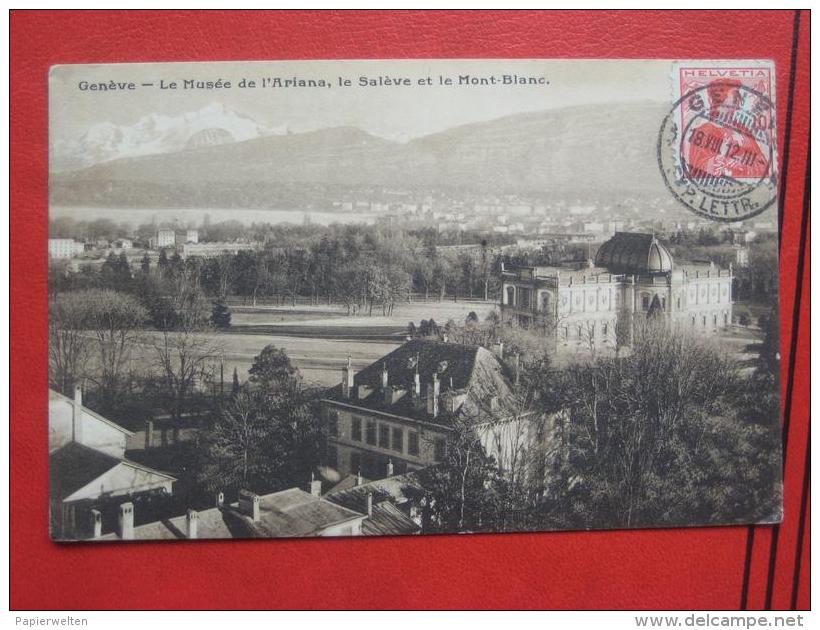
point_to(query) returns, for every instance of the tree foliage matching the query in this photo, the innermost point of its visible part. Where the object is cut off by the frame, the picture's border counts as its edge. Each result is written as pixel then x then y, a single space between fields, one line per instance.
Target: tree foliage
pixel 267 437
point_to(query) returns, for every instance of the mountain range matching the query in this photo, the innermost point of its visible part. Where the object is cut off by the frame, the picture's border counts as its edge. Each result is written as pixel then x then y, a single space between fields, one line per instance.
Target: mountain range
pixel 600 149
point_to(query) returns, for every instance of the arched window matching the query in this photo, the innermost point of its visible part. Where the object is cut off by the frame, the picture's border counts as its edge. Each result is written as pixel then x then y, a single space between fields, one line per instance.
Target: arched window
pixel 511 296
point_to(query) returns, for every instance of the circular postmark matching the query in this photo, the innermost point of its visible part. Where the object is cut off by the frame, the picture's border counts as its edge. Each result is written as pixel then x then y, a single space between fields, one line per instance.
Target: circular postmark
pixel 716 151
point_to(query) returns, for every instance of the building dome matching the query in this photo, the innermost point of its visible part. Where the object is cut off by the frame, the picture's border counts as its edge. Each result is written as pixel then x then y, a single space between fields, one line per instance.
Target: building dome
pixel 633 252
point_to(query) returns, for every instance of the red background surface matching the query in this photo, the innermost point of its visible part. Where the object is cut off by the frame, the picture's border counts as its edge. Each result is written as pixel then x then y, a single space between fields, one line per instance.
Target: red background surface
pixel 712 568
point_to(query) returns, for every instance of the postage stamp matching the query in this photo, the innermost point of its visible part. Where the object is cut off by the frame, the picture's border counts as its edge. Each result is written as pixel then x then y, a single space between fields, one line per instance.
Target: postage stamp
pixel 717 146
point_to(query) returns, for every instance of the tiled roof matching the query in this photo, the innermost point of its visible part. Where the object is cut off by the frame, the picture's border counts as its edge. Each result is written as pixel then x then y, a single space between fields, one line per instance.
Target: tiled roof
pixel 389 495
pixel 294 512
pixel 57 396
pixel 74 466
pixel 286 514
pixel 470 373
pixel 348 482
pixel 388 520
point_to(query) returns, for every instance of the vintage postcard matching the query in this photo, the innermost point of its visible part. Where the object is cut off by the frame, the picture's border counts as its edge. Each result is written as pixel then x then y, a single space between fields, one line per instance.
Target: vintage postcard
pixel 354 298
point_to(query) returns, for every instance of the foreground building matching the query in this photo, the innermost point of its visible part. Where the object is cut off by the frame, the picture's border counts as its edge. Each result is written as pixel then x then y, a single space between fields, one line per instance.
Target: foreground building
pixel 291 513
pixel 89 474
pixel 395 415
pixel 595 306
pixel 286 514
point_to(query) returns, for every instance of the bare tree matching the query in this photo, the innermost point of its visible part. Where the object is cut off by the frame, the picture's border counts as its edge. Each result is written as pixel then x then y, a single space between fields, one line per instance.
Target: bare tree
pixel 183 359
pixel 183 354
pixel 67 341
pixel 115 320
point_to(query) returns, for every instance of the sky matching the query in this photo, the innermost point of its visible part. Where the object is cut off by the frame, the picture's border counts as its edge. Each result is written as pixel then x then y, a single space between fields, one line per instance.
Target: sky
pixel 396 112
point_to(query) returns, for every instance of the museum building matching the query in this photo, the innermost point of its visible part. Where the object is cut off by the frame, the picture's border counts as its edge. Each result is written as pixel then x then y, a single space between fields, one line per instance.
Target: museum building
pixel 595 306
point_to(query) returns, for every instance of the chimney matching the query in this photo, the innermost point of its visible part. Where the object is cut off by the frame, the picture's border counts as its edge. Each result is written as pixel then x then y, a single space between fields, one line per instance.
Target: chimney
pixel 77 415
pixel 370 504
pixel 389 467
pixel 191 522
pixel 149 434
pixel 498 349
pixel 384 375
pixel 517 367
pixel 347 378
pixel 220 499
pixel 96 523
pixel 126 521
pixel 359 479
pixel 249 504
pixel 416 384
pixel 433 392
pixel 315 486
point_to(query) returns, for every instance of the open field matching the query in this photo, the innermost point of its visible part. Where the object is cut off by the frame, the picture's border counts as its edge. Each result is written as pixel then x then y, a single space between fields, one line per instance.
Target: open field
pixel 335 316
pixel 319 360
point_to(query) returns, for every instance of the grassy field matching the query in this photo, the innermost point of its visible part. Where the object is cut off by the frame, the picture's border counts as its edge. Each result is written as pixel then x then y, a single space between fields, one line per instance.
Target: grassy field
pixel 323 315
pixel 319 360
pixel 317 339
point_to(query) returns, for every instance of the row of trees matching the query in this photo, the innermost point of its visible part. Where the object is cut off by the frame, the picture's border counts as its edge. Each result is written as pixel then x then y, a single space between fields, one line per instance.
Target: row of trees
pixel 360 268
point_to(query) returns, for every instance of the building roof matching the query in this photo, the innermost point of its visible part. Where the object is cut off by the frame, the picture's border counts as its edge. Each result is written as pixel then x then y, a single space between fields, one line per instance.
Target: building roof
pixel 74 466
pixel 294 512
pixel 387 518
pixel 471 375
pixel 634 253
pixel 57 396
pixel 286 514
pixel 346 483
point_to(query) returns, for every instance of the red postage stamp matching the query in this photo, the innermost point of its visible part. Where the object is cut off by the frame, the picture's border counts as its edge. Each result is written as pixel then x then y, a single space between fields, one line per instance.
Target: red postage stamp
pixel 717 146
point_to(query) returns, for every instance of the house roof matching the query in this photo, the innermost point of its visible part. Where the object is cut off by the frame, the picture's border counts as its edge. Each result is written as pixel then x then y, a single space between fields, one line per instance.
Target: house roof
pixel 53 395
pixel 212 523
pixel 74 466
pixel 387 518
pixel 470 374
pixel 287 514
pixel 294 512
pixel 350 481
pixel 634 252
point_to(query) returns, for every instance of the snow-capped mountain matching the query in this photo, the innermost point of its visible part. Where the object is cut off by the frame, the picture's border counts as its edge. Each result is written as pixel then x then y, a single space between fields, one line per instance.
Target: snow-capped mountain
pixel 156 133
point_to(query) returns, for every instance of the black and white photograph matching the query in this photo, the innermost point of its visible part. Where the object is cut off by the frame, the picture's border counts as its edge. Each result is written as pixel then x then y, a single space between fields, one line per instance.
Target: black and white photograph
pixel 409 297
